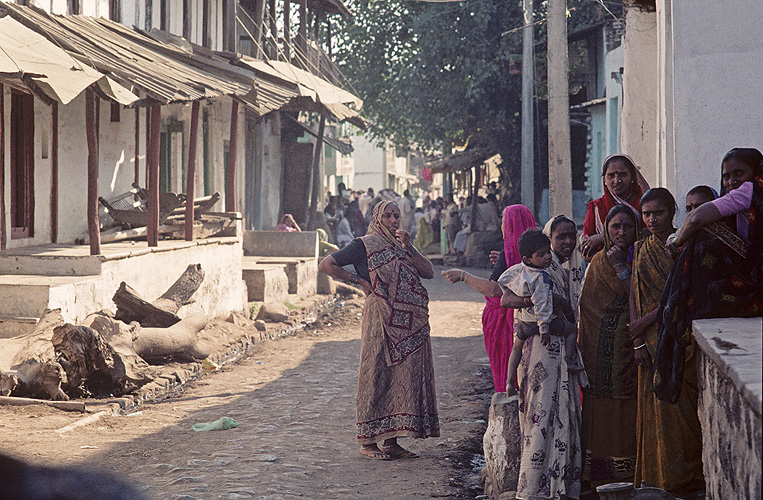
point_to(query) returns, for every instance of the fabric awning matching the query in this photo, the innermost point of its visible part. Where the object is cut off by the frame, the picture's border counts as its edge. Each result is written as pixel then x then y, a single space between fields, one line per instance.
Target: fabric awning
pixel 29 60
pixel 165 72
pixel 462 160
pixel 313 93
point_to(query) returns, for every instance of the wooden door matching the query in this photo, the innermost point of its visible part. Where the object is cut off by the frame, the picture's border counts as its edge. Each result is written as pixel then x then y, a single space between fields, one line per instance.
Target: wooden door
pixel 22 165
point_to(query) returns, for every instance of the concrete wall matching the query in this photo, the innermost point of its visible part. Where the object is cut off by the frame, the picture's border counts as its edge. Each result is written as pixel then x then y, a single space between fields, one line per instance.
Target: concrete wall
pixel 639 133
pixel 281 244
pixel 730 391
pixel 714 62
pixel 152 272
pixel 369 165
pixel 267 172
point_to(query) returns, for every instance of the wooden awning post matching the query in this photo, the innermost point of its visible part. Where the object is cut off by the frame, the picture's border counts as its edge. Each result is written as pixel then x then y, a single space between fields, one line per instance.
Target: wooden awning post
pixel 3 233
pixel 136 178
pixel 54 174
pixel 230 185
pixel 153 177
pixel 191 180
pixel 287 30
pixel 93 228
pixel 315 185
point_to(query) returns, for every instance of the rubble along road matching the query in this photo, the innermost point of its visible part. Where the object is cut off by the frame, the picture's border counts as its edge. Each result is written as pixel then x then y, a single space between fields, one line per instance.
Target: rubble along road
pixel 294 400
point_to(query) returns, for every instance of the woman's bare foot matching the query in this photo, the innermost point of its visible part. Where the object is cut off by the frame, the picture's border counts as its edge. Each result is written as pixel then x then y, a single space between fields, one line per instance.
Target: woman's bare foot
pixel 372 451
pixel 397 451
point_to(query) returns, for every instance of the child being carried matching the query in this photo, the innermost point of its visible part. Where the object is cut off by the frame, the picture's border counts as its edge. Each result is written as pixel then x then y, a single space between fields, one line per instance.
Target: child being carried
pixel 529 279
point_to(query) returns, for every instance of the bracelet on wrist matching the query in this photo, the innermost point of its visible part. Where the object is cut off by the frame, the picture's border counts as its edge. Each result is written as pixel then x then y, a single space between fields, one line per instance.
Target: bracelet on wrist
pixel 462 275
pixel 355 278
pixel 639 347
pixel 624 274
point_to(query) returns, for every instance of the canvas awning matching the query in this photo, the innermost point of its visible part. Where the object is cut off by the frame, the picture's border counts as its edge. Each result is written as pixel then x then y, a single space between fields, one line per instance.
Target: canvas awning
pixel 165 72
pixel 28 60
pixel 462 160
pixel 313 93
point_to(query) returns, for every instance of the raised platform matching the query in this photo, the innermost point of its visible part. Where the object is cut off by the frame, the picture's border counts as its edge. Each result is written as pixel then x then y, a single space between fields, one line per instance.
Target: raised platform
pixel 68 277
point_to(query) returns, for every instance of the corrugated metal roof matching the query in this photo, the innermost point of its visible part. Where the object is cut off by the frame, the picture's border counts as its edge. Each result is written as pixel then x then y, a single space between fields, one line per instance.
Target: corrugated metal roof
pixel 162 70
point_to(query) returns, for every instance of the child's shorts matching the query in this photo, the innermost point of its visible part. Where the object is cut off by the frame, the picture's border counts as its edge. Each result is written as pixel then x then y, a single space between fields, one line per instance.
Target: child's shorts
pixel 559 327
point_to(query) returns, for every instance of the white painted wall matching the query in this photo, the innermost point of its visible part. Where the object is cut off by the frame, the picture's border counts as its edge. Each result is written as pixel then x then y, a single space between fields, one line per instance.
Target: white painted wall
pixel 369 165
pixel 269 166
pixel 639 136
pixel 711 99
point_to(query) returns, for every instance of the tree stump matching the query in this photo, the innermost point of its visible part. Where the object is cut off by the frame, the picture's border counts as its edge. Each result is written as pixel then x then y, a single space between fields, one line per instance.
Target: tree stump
pixel 162 312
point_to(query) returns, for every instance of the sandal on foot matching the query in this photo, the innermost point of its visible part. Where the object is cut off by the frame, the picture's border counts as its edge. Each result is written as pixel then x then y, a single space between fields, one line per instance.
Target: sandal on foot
pixel 397 451
pixel 374 454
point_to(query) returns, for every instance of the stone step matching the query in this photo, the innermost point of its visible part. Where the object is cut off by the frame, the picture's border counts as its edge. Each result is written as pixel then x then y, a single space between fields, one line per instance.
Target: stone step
pixel 27 296
pixel 265 282
pixel 11 326
pixel 50 262
pixel 302 273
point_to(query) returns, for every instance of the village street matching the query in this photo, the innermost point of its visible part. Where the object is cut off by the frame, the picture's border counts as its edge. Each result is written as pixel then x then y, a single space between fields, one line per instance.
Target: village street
pixel 294 400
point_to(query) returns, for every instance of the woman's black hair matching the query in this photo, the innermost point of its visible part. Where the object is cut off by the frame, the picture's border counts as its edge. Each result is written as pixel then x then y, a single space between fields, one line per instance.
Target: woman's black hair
pixel 627 161
pixel 662 195
pixel 620 209
pixel 749 156
pixel 559 220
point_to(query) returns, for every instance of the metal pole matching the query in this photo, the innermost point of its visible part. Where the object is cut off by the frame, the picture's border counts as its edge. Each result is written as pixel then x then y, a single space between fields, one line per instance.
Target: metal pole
pixel 559 163
pixel 528 72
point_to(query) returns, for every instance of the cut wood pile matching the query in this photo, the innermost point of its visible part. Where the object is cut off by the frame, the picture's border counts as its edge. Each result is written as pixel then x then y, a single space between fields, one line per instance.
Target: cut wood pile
pixel 108 354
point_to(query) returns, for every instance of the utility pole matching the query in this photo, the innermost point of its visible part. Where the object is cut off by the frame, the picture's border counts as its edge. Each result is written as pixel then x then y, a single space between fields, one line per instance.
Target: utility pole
pixel 528 71
pixel 559 163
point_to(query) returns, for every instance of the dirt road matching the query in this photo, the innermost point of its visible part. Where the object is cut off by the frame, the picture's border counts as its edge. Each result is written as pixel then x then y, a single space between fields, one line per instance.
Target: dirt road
pixel 294 400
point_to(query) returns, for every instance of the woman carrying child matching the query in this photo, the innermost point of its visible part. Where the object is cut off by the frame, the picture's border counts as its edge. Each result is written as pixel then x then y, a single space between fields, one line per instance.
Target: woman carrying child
pixel 549 406
pixel 609 405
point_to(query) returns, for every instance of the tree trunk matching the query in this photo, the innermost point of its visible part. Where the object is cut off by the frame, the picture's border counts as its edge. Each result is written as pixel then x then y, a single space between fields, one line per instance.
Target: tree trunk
pixel 162 312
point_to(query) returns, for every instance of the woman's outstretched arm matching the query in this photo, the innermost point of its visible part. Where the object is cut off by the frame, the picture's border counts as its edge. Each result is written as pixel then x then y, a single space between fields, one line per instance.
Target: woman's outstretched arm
pixel 698 218
pixel 484 286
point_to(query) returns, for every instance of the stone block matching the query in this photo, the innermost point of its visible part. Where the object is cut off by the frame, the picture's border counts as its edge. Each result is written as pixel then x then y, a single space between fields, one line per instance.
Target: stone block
pixel 273 312
pixel 502 445
pixel 266 282
pixel 281 244
pixel 302 273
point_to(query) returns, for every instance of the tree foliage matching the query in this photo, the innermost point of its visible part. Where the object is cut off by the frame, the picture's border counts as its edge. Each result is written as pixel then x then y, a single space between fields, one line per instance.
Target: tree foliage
pixel 433 73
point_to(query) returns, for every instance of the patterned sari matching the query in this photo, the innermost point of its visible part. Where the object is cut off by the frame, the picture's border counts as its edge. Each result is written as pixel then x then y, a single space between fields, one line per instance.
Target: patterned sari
pixel 669 436
pixel 396 391
pixel 716 275
pixel 608 431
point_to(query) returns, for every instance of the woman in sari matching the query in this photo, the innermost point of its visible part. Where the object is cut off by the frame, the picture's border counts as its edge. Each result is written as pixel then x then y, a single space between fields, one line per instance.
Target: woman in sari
pixel 718 272
pixel 288 224
pixel 549 402
pixel 668 436
pixel 609 404
pixel 497 321
pixel 396 392
pixel 623 185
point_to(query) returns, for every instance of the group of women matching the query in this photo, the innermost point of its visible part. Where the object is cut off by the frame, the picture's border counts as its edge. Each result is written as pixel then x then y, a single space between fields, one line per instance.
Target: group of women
pixel 644 284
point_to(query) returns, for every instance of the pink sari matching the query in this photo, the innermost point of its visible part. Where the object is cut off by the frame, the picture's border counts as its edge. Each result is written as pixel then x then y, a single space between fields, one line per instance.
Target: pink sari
pixel 497 321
